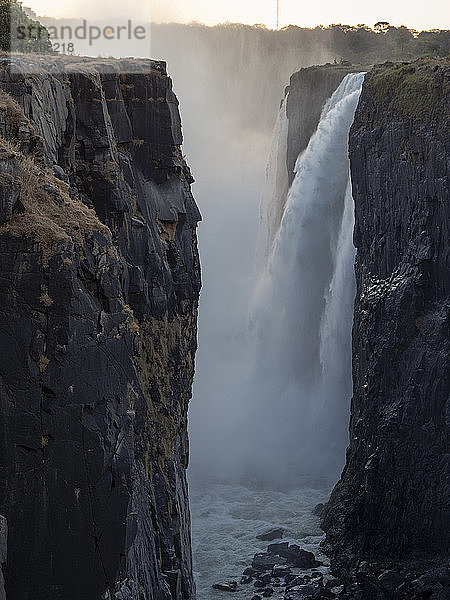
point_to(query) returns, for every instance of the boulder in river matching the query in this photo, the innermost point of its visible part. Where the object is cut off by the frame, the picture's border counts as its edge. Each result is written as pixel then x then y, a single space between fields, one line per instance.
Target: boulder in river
pixel 264 561
pixel 272 534
pixel 281 571
pixel 297 557
pixel 230 586
pixel 277 548
pixel 263 580
pixel 249 572
pixel 302 592
pixel 295 581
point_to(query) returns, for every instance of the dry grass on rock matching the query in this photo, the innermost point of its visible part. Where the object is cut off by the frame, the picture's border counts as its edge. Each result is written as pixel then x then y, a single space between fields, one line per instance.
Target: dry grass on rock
pixel 48 214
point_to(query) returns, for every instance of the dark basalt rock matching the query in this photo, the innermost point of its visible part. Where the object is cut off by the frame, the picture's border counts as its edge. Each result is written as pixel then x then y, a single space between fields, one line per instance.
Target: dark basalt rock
pixel 390 580
pixel 278 548
pixel 281 571
pixel 319 510
pixel 98 335
pixel 429 580
pixel 332 582
pixel 3 553
pixel 324 594
pixel 263 580
pixel 250 572
pixel 295 581
pixel 389 504
pixel 266 562
pixel 302 592
pixel 273 534
pixel 226 587
pixel 399 583
pixel 296 556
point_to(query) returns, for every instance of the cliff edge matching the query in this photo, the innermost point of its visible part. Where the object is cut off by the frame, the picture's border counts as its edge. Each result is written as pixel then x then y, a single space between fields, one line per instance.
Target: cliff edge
pixel 390 505
pixel 99 281
pixel 308 91
pixel 306 95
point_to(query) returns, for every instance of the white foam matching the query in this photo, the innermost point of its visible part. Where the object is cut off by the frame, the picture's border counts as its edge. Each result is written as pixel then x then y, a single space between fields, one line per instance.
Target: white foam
pixel 226 520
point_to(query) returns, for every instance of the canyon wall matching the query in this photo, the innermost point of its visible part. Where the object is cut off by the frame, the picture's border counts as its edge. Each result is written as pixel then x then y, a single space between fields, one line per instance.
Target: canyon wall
pixel 99 281
pixel 386 523
pixel 306 95
pixel 390 503
pixel 308 91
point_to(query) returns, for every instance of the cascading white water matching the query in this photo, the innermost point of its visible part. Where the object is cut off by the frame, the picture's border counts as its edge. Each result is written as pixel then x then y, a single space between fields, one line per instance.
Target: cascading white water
pixel 285 417
pixel 275 189
pixel 303 307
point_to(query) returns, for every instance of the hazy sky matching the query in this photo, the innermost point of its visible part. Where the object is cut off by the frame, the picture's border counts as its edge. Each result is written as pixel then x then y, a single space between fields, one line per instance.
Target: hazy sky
pixel 414 13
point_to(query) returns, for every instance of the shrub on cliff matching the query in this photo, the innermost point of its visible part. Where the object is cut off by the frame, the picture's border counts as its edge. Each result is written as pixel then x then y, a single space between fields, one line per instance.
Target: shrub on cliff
pixel 19 32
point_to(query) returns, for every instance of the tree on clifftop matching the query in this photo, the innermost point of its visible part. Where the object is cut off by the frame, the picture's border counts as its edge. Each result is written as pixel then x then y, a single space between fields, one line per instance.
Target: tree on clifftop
pixel 20 33
pixel 382 26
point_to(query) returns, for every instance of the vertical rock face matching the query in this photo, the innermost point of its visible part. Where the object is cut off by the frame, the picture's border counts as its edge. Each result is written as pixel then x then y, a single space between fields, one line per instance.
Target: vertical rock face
pixel 99 285
pixel 306 96
pixel 390 501
pixel 309 90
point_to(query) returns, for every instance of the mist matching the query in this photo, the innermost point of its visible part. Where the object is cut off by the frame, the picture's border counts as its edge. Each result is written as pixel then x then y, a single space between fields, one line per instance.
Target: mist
pixel 220 74
pixel 248 421
pixel 270 408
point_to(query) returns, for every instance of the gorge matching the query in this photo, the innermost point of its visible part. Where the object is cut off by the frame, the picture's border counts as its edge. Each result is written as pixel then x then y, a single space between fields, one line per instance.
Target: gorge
pixel 345 316
pixel 350 538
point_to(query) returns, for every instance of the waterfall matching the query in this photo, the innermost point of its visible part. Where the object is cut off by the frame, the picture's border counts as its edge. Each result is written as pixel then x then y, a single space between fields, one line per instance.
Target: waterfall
pixel 303 304
pixel 275 189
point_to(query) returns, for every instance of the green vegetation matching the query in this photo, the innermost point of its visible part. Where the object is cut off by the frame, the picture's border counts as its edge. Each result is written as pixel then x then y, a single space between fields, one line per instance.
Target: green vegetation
pixel 361 43
pixel 355 43
pixel 19 32
pixel 417 89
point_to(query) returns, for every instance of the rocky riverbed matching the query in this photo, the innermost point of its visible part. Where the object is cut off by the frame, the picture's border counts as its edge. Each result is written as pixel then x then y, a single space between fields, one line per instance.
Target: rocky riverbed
pixel 251 544
pixel 228 522
pixel 289 572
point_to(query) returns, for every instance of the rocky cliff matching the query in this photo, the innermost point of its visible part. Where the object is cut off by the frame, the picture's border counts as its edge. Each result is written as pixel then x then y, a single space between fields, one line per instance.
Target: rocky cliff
pixel 308 91
pixel 99 285
pixel 390 505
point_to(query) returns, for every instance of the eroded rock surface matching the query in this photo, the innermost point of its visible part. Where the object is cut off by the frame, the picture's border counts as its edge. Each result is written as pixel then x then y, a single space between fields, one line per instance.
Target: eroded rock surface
pixel 390 502
pixel 98 331
pixel 309 90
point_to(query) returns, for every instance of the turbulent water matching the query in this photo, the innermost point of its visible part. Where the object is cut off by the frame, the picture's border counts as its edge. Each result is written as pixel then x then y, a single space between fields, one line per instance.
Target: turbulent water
pixel 286 406
pixel 226 520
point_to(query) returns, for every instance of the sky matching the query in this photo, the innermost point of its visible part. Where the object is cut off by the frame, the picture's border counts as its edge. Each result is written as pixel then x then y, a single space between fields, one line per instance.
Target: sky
pixel 307 14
